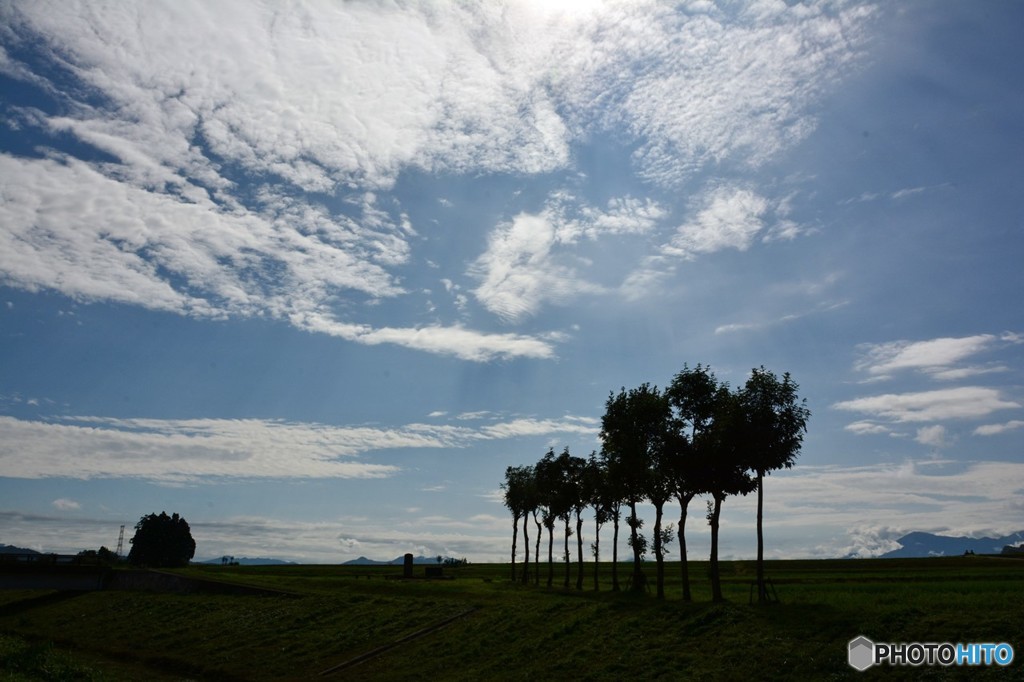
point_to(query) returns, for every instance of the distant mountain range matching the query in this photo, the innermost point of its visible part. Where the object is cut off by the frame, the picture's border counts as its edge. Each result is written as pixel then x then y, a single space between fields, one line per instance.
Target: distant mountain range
pixel 920 544
pixel 363 561
pixel 11 549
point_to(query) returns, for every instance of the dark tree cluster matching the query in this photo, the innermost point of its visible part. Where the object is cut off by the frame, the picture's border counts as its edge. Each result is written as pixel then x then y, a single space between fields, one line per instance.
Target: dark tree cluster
pixel 696 437
pixel 162 541
pixel 102 556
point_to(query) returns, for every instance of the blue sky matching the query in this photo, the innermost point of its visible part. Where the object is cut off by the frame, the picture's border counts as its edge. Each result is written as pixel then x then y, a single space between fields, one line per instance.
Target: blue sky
pixel 313 276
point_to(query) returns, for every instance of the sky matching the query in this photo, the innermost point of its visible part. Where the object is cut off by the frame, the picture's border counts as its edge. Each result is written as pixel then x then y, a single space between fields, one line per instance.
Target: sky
pixel 312 274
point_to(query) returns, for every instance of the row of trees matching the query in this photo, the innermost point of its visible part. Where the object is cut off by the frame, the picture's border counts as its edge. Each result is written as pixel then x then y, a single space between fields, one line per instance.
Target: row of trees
pixel 696 437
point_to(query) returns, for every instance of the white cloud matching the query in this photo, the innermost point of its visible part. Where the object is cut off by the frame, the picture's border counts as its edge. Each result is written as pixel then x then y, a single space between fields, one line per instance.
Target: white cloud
pixel 722 217
pixel 866 427
pixel 891 498
pixel 735 327
pixel 540 427
pixel 69 227
pixel 530 261
pixel 936 357
pixel 965 402
pixel 934 436
pixel 705 87
pixel 731 219
pixel 474 415
pixel 995 429
pixel 341 99
pixel 64 504
pixel 907 192
pixel 169 450
pixel 622 215
pixel 189 450
pixel 518 273
pixel 649 277
pixel 738 327
pixel 458 341
pixel 316 95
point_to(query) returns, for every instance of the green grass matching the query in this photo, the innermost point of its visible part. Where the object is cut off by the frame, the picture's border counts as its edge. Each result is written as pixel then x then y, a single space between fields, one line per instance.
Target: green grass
pixel 519 632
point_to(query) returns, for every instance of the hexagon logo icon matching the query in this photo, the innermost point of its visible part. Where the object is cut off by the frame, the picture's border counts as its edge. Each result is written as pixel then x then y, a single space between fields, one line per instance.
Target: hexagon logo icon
pixel 862 653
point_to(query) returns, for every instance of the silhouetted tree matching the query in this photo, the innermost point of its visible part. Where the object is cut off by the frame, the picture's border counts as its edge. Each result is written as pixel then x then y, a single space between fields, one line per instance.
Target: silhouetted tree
pixel 514 491
pixel 612 496
pixel 548 496
pixel 660 487
pixel 162 541
pixel 107 557
pixel 721 468
pixel 661 478
pixel 529 482
pixel 692 395
pixel 565 490
pixel 596 488
pixel 578 496
pixel 774 423
pixel 631 431
pixel 102 556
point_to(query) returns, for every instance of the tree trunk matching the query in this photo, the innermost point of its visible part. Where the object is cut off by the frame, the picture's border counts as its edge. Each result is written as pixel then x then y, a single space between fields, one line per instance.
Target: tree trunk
pixel 526 548
pixel 684 503
pixel 536 550
pixel 551 554
pixel 568 532
pixel 579 551
pixel 615 554
pixel 597 547
pixel 515 537
pixel 762 594
pixel 716 585
pixel 659 554
pixel 634 534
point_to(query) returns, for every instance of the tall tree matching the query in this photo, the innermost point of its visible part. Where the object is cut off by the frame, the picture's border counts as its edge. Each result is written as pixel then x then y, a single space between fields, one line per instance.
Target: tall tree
pixel 597 493
pixel 579 499
pixel 631 431
pixel 692 395
pixel 722 470
pixel 569 500
pixel 774 423
pixel 530 504
pixel 514 495
pixel 612 496
pixel 549 497
pixel 564 497
pixel 661 484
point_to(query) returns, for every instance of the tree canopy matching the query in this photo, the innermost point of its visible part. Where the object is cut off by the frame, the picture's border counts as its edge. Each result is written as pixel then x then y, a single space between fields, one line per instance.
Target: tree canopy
pixel 162 541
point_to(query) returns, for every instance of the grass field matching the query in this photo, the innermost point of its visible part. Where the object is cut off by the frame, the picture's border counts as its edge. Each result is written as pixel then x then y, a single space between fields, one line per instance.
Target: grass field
pixel 506 631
